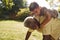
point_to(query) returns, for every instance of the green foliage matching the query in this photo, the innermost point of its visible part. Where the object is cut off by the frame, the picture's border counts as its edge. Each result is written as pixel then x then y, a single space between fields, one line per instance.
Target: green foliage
pixel 10 8
pixel 23 14
pixel 59 9
pixel 10 3
pixel 47 0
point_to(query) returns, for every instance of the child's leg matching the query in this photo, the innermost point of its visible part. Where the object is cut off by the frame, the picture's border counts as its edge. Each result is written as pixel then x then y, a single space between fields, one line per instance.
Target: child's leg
pixel 48 37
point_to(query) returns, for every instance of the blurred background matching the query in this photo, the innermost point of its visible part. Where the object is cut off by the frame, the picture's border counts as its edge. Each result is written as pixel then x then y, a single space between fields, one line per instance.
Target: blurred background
pixel 18 9
pixel 13 13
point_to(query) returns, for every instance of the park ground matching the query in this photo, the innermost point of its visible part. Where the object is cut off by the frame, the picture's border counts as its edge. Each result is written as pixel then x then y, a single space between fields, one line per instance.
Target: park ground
pixel 15 30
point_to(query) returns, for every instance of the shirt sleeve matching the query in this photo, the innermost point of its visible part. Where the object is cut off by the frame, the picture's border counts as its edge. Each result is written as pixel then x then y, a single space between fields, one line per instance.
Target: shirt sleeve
pixel 30 30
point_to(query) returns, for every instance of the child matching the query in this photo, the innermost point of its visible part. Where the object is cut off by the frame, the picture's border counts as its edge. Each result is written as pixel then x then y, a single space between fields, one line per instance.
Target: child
pixel 33 24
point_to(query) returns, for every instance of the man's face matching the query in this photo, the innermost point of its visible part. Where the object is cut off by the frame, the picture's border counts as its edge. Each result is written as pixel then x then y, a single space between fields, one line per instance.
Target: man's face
pixel 36 11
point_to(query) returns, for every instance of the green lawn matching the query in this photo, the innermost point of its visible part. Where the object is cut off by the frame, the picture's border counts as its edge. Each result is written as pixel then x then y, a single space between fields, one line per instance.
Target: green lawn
pixel 13 30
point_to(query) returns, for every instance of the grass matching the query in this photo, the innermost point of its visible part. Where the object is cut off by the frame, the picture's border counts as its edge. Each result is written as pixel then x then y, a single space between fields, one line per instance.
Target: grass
pixel 13 30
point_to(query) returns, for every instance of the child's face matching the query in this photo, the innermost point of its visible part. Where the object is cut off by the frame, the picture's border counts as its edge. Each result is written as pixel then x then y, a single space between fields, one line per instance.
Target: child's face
pixel 35 27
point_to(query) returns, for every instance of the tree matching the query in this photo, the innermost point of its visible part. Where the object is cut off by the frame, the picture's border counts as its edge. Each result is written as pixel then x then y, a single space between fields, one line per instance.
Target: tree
pixel 54 4
pixel 11 7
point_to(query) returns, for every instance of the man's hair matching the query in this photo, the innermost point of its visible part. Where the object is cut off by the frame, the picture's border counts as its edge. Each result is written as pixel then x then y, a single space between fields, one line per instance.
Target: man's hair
pixel 31 22
pixel 33 6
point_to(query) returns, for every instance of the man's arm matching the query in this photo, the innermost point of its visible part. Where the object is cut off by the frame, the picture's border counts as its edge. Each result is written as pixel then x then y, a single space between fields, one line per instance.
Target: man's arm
pixel 47 18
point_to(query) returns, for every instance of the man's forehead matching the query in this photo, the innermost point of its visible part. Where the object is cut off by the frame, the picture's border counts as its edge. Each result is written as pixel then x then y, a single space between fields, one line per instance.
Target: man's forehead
pixel 34 11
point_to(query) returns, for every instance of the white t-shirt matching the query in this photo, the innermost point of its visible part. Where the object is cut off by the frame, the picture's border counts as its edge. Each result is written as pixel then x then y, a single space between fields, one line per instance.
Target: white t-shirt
pixel 51 28
pixel 43 30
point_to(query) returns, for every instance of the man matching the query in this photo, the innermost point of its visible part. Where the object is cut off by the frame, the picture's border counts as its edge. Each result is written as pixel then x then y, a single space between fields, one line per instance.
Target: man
pixel 42 15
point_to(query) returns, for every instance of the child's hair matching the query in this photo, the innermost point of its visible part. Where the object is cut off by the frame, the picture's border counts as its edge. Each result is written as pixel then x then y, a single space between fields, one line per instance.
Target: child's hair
pixel 31 22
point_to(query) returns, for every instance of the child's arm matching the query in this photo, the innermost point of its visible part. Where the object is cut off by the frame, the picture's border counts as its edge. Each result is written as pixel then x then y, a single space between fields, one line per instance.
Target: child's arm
pixel 28 34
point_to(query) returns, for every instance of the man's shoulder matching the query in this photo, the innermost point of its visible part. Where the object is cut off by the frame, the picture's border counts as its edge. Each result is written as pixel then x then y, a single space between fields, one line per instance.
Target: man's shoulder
pixel 43 11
